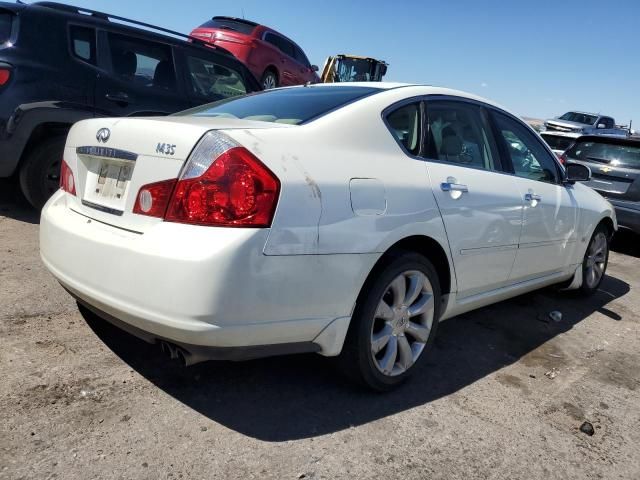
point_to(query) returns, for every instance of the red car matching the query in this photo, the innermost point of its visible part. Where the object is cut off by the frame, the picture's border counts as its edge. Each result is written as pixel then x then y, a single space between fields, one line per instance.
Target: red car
pixel 274 59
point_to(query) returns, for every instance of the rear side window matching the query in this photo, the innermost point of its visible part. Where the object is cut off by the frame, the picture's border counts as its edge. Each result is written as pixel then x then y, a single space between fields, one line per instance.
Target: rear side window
pixel 147 64
pixel 528 156
pixel 212 81
pixel 280 43
pixel 612 154
pixel 404 124
pixel 229 24
pixel 459 133
pixel 83 43
pixel 291 105
pixel 6 21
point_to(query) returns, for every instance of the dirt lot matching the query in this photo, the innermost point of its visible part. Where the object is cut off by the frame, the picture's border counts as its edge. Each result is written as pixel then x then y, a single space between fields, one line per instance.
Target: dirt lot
pixel 504 395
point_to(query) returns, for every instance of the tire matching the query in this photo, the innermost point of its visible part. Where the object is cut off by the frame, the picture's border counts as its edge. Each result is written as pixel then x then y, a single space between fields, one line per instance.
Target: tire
pixel 595 261
pixel 40 171
pixel 375 352
pixel 269 79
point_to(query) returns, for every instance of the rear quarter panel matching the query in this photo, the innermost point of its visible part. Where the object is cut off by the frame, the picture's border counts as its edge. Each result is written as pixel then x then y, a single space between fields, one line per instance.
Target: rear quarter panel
pixel 317 163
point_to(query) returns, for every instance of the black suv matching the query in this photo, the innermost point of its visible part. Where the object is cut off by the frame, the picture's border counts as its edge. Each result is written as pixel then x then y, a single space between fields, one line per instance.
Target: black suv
pixel 61 64
pixel 615 165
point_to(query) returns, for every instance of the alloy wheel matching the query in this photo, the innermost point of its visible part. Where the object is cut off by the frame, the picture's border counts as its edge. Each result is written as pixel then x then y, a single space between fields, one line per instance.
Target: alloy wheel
pixel 595 260
pixel 269 81
pixel 402 323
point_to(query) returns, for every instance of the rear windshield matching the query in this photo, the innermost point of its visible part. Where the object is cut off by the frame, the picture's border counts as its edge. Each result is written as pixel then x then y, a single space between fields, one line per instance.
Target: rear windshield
pixel 5 26
pixel 229 24
pixel 612 154
pixel 558 143
pixel 583 118
pixel 289 105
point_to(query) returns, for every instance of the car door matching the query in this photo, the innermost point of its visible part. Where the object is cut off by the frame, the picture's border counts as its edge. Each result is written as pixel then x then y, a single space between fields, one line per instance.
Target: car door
pixel 550 210
pixel 304 72
pixel 286 63
pixel 139 78
pixel 480 205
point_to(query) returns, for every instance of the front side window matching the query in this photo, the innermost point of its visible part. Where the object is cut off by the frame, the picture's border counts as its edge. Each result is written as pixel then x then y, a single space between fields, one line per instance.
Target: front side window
pixel 147 64
pixel 607 122
pixel 302 58
pixel 291 106
pixel 527 154
pixel 83 43
pixel 213 81
pixel 404 124
pixel 459 133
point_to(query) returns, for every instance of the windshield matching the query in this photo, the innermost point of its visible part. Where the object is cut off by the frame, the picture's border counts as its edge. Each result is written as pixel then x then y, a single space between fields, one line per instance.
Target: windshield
pixel 612 154
pixel 229 24
pixel 583 118
pixel 558 143
pixel 288 105
pixel 353 70
pixel 5 26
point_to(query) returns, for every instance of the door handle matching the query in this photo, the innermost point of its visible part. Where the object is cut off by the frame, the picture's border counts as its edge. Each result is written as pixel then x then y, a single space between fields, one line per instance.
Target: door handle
pixel 118 97
pixel 532 197
pixel 453 187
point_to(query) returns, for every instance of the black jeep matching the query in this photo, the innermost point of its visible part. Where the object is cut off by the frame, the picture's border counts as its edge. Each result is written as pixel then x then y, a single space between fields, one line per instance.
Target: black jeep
pixel 61 64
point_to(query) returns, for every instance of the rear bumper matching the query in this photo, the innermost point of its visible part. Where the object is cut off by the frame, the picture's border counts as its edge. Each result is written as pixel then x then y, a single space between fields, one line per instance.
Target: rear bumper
pixel 628 214
pixel 199 286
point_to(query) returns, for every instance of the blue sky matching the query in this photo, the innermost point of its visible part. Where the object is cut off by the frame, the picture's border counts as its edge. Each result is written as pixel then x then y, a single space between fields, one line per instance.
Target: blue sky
pixel 538 58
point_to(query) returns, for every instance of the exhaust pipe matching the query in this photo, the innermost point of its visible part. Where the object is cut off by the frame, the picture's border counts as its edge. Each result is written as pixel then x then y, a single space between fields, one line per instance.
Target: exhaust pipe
pixel 184 357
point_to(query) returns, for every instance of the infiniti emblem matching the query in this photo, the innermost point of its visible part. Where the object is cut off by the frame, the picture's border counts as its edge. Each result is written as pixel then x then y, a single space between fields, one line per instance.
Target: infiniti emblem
pixel 103 135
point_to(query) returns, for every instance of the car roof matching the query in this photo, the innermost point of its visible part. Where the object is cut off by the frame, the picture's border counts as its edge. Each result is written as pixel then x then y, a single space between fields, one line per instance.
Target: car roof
pixel 414 89
pixel 612 139
pixel 561 134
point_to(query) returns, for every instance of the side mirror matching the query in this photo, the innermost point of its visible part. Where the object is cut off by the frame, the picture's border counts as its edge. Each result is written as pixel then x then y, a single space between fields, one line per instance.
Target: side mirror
pixel 601 125
pixel 577 172
pixel 314 68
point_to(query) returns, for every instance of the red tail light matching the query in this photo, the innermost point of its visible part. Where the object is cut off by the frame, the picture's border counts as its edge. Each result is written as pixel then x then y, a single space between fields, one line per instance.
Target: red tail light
pixel 67 180
pixel 222 184
pixel 563 159
pixel 152 199
pixel 236 190
pixel 5 75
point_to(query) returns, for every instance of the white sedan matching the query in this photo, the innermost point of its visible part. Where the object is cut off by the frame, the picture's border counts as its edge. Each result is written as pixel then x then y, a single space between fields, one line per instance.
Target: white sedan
pixel 342 219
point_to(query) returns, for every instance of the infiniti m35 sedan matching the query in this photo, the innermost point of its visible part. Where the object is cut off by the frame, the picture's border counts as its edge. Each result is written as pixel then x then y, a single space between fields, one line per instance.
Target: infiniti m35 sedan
pixel 346 219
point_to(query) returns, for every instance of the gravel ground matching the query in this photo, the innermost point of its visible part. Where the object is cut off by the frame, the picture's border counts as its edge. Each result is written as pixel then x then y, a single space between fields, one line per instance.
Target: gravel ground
pixel 504 393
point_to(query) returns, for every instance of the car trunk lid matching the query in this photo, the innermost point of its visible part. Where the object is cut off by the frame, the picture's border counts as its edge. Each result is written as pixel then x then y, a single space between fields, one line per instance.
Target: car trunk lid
pixel 113 158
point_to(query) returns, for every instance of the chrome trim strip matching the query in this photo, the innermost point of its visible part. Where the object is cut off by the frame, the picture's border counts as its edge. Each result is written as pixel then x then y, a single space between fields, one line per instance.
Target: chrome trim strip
pixel 102 208
pixel 484 250
pixel 106 152
pixel 547 243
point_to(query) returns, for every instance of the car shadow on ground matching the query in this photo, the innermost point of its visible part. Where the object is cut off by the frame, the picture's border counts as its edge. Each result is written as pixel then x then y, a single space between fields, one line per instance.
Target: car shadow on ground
pixel 14 205
pixel 286 398
pixel 626 242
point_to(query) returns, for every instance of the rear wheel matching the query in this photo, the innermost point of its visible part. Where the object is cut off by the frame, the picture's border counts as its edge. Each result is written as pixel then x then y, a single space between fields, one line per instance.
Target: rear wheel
pixel 269 80
pixel 394 323
pixel 40 171
pixel 594 264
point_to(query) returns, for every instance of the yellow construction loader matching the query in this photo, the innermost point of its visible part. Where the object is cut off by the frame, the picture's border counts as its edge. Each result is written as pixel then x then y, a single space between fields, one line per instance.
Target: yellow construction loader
pixel 352 68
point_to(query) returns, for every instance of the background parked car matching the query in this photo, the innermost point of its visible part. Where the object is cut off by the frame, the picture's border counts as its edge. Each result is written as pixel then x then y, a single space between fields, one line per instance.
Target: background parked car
pixel 615 165
pixel 273 58
pixel 585 123
pixel 559 141
pixel 82 66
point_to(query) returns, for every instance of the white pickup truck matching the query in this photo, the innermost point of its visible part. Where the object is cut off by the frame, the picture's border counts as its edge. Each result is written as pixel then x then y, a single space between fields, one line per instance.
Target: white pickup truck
pixel 585 123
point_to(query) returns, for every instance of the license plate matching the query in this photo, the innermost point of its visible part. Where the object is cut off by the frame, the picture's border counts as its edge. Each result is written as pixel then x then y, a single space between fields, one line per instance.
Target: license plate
pixel 113 180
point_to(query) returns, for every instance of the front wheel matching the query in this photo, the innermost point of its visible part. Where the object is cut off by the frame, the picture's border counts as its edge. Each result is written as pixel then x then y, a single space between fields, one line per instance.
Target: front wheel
pixel 394 323
pixel 594 263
